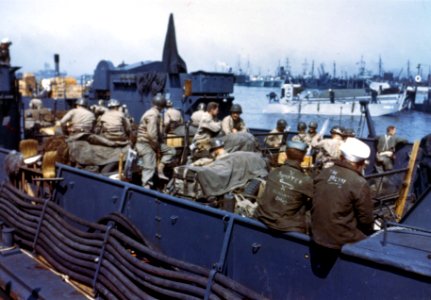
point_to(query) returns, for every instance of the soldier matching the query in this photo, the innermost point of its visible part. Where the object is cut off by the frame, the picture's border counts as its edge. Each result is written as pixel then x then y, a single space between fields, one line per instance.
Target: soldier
pixel 287 194
pixel 342 209
pixel 37 116
pixel 172 117
pixel 348 132
pixel 150 143
pixel 302 135
pixel 329 149
pixel 386 148
pixel 209 126
pixel 216 151
pixel 100 108
pixel 4 52
pixel 113 124
pixel 234 123
pixel 312 133
pixel 197 115
pixel 276 139
pixel 78 120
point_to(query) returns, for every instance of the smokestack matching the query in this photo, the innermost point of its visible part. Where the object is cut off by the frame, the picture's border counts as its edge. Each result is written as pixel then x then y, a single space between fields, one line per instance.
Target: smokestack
pixel 57 64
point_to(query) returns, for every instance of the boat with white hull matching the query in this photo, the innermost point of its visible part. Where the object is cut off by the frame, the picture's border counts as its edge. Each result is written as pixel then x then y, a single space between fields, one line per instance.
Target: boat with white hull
pixel 346 106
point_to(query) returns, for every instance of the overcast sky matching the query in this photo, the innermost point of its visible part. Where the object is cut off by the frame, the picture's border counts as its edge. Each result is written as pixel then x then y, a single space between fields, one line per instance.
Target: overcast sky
pixel 215 33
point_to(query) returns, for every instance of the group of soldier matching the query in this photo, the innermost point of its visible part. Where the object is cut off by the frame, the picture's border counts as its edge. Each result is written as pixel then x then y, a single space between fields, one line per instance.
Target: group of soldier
pixel 334 204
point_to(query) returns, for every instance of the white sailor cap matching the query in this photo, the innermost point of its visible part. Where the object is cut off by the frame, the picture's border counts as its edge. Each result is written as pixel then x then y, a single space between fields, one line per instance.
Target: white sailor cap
pixel 355 150
pixel 6 41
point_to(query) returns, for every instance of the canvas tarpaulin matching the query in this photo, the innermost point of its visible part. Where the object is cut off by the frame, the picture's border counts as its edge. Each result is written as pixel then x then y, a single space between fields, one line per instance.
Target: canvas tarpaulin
pixel 94 150
pixel 230 172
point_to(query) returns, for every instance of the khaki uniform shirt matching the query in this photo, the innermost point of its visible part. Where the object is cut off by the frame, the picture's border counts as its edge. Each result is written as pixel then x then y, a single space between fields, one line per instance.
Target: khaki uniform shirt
pixel 302 137
pixel 197 117
pixel 208 127
pixel 228 124
pixel 80 118
pixel 274 141
pixel 149 127
pixel 172 119
pixel 114 122
pixel 329 150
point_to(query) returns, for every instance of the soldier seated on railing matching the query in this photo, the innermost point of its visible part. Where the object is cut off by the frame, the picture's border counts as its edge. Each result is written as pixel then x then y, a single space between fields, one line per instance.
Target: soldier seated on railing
pixel 113 124
pixel 78 120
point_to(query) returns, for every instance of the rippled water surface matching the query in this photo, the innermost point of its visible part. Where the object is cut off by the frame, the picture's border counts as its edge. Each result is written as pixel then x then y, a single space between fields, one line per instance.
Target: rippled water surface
pixel 411 124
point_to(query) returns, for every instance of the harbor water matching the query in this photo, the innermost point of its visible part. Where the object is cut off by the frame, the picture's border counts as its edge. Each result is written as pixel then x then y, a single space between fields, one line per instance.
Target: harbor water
pixel 412 125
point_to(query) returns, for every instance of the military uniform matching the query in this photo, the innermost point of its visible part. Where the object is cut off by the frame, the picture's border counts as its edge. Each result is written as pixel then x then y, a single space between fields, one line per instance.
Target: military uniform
pixel 274 140
pixel 208 127
pixel 342 210
pixel 302 137
pixel 80 119
pixel 228 124
pixel 114 125
pixel 149 142
pixel 385 150
pixel 196 117
pixel 329 151
pixel 286 197
pixel 172 119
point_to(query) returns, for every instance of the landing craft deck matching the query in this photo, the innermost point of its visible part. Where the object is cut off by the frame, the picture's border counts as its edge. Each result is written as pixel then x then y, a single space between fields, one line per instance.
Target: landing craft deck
pixel 221 247
pixel 274 264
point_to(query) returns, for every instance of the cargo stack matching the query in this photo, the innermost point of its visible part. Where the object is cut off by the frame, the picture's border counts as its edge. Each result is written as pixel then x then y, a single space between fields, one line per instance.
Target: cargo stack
pixel 65 87
pixel 27 85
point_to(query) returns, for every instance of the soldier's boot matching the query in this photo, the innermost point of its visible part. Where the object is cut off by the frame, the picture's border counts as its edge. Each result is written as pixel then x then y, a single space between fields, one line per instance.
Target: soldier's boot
pixel 160 171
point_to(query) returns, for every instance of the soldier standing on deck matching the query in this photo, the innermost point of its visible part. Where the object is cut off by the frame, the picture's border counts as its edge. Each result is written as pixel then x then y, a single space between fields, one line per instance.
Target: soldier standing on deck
pixel 287 194
pixel 172 117
pixel 150 143
pixel 342 209
pixel 234 123
pixel 78 120
pixel 113 124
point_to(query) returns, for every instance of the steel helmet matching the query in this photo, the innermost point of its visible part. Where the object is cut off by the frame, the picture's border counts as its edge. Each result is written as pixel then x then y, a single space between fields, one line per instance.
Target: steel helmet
pixel 82 102
pixel 159 100
pixel 201 106
pixel 236 108
pixel 313 124
pixel 281 123
pixel 349 132
pixel 337 130
pixel 302 126
pixel 216 143
pixel 113 103
pixel 169 103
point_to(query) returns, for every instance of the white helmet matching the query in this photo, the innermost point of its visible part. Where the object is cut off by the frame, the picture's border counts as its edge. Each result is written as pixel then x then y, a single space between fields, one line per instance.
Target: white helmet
pixel 6 41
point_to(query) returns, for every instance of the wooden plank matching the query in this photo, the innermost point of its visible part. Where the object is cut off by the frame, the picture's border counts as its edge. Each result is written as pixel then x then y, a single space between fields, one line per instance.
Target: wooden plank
pixel 401 202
